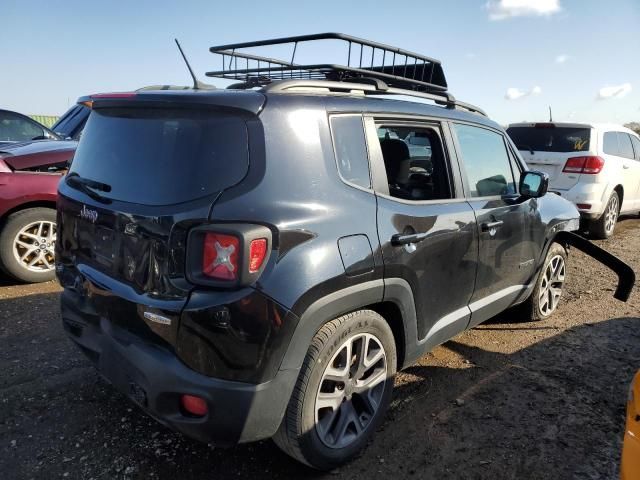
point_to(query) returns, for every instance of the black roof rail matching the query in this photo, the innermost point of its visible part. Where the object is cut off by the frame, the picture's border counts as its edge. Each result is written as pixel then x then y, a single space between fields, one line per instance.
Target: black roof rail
pixel 367 86
pixel 364 59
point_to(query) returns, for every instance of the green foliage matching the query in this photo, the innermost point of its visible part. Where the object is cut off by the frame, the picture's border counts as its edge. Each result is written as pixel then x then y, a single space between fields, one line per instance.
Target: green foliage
pixel 635 126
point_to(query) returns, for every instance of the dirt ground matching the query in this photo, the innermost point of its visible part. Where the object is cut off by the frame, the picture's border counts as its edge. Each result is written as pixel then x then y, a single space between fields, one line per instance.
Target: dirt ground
pixel 506 400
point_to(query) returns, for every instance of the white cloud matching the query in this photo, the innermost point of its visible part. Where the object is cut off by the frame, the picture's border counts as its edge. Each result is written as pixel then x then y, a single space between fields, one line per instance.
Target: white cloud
pixel 560 59
pixel 514 93
pixel 614 91
pixel 503 9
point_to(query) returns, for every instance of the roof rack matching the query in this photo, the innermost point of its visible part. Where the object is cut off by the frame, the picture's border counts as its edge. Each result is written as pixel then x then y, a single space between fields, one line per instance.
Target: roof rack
pixel 371 68
pixel 364 58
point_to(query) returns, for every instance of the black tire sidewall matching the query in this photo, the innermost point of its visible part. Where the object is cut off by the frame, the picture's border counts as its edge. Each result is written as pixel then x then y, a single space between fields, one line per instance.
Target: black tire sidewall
pixel 14 223
pixel 598 227
pixel 316 452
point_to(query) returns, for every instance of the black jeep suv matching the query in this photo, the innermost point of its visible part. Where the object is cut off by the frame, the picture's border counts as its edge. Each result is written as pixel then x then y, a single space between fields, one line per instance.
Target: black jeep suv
pixel 259 261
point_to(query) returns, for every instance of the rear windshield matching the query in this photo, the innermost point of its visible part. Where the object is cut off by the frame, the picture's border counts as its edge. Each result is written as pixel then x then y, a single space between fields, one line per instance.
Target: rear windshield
pixel 162 156
pixel 550 139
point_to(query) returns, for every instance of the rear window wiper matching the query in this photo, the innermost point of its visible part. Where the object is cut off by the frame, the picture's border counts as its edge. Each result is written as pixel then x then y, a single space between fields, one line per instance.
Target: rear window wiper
pixel 88 186
pixel 525 147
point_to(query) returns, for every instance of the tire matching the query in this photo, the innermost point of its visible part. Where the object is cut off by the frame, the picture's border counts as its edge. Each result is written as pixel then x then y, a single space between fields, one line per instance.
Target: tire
pixel 19 239
pixel 534 308
pixel 603 227
pixel 312 435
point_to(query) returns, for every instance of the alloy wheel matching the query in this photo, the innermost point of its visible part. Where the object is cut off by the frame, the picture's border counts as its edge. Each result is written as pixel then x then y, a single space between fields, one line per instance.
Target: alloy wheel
pixel 611 215
pixel 34 244
pixel 351 390
pixel 551 286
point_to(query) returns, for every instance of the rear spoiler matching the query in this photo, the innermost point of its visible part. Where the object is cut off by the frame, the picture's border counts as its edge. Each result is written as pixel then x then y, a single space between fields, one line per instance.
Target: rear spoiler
pixel 626 275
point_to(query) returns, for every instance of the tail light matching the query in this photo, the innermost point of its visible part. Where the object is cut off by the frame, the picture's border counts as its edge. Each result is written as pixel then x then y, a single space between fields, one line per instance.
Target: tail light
pixel 227 255
pixel 590 165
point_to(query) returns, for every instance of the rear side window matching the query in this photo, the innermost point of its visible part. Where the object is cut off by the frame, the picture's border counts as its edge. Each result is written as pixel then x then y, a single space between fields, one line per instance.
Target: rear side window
pixel 162 156
pixel 351 149
pixel 610 143
pixel 624 145
pixel 550 138
pixel 486 161
pixel 71 123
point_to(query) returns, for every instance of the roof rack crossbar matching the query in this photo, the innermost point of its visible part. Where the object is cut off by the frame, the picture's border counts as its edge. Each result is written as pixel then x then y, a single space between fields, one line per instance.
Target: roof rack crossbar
pixel 411 71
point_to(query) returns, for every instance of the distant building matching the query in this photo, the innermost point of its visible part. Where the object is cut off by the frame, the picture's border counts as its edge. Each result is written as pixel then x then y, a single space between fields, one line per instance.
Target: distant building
pixel 46 120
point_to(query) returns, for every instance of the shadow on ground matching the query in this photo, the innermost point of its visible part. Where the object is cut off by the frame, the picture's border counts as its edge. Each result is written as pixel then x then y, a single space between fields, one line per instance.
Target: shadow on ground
pixel 551 410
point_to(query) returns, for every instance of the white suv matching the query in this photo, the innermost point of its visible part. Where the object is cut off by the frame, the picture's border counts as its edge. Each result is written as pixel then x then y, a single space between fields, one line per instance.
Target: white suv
pixel 596 166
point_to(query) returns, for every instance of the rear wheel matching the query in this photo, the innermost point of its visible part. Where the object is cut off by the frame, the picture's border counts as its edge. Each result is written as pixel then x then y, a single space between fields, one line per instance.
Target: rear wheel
pixel 342 393
pixel 603 227
pixel 27 242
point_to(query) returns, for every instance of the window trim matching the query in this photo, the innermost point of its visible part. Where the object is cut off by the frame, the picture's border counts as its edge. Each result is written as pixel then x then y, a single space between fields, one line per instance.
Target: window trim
pixel 378 171
pixel 463 171
pixel 369 189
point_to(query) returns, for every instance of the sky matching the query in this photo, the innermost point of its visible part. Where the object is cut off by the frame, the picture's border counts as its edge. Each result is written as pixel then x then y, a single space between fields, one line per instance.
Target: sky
pixel 513 58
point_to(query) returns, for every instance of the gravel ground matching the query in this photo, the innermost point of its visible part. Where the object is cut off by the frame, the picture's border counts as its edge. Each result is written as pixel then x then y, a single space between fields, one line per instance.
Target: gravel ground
pixel 508 399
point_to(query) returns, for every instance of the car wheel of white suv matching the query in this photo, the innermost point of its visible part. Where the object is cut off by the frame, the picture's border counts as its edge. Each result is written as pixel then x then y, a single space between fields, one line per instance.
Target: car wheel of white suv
pixel 603 227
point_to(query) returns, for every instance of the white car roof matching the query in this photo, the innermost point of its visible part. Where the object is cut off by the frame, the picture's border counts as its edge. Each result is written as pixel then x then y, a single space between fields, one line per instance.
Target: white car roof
pixel 608 127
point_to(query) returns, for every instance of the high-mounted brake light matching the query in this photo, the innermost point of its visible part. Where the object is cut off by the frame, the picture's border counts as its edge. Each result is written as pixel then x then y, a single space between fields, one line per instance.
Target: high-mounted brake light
pixel 545 125
pixel 590 165
pixel 220 256
pixel 114 95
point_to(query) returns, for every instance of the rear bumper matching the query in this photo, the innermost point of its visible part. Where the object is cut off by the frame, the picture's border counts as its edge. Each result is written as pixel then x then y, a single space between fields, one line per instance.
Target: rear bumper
pixel 154 378
pixel 593 194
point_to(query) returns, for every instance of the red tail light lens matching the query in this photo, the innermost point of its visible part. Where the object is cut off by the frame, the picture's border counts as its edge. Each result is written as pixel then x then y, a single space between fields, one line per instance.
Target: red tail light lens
pixel 589 165
pixel 220 256
pixel 193 405
pixel 257 254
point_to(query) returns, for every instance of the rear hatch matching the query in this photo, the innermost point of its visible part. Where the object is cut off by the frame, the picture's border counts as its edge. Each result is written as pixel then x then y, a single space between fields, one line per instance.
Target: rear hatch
pixel 144 172
pixel 547 146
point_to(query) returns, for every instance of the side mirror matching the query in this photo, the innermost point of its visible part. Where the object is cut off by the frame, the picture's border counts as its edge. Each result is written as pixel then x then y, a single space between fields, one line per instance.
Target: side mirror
pixel 534 184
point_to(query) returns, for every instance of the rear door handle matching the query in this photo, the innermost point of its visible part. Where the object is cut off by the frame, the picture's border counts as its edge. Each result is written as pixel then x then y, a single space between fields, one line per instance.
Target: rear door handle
pixel 400 239
pixel 491 225
pixel 625 165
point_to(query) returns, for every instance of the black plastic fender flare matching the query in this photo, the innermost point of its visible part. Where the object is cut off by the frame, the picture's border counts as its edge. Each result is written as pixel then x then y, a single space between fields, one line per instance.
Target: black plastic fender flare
pixel 626 275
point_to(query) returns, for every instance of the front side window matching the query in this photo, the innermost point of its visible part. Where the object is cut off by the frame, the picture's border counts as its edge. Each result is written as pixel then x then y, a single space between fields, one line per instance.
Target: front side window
pixel 415 162
pixel 486 161
pixel 14 128
pixel 624 144
pixel 636 146
pixel 351 149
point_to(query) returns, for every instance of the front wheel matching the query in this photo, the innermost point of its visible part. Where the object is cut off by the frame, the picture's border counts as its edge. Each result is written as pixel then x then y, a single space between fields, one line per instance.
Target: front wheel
pixel 342 393
pixel 544 299
pixel 27 242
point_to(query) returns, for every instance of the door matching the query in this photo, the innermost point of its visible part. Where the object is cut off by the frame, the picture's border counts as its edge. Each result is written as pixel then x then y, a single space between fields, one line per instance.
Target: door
pixel 426 229
pixel 630 173
pixel 636 149
pixel 491 189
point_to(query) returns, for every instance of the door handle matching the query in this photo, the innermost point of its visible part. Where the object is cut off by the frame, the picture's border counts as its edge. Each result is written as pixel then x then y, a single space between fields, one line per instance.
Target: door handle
pixel 401 239
pixel 625 165
pixel 491 225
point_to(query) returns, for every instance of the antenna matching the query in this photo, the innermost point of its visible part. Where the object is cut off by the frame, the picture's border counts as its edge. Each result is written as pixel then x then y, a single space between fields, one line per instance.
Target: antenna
pixel 197 84
pixel 550 116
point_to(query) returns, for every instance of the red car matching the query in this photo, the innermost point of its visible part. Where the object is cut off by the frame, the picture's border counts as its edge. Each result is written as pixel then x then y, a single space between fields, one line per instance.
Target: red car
pixel 29 176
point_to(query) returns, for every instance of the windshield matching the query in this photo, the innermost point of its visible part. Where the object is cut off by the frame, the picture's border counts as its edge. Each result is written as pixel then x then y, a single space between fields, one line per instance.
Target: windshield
pixel 550 139
pixel 162 156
